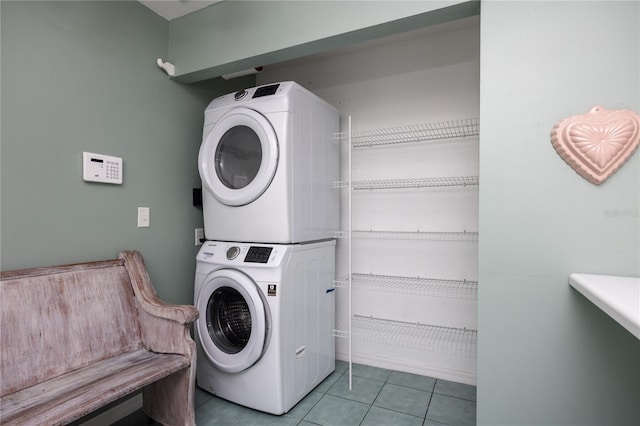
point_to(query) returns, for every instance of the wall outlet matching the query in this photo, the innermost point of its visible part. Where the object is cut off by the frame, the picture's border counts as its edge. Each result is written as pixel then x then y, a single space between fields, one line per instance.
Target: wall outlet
pixel 199 236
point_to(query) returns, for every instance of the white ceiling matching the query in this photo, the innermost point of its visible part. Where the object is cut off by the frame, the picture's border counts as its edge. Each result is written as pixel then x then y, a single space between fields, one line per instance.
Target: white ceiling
pixel 170 9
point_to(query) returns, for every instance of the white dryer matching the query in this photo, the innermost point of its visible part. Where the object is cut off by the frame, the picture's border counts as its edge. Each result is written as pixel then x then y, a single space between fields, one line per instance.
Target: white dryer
pixel 268 162
pixel 267 315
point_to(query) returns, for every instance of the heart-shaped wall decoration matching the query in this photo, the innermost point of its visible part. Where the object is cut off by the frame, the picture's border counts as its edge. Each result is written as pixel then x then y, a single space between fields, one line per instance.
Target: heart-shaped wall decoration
pixel 598 143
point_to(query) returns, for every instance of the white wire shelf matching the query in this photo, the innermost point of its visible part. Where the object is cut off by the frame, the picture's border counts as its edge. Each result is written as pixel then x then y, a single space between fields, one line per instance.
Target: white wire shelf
pixel 414 133
pixel 457 289
pixel 410 235
pixel 435 182
pixel 447 340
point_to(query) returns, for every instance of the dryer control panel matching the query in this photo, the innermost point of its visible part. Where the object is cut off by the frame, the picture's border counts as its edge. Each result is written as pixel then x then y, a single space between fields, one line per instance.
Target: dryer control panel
pixel 266 90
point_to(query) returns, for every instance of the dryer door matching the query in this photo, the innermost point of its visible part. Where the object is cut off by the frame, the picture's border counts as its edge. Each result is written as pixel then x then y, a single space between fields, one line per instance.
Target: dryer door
pixel 234 322
pixel 239 157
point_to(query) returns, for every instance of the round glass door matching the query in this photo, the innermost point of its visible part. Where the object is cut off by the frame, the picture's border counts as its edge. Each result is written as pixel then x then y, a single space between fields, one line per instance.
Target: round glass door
pixel 234 323
pixel 239 157
pixel 228 320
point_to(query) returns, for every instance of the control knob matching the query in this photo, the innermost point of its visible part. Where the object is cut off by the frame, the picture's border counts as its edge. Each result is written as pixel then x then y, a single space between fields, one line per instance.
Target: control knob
pixel 240 94
pixel 233 252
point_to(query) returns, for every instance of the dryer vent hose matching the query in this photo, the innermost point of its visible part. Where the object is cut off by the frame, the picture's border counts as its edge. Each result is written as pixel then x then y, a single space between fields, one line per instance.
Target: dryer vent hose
pixel 255 70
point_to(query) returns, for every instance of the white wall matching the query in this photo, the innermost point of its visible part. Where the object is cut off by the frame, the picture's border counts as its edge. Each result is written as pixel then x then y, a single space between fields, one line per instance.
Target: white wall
pixel 421 77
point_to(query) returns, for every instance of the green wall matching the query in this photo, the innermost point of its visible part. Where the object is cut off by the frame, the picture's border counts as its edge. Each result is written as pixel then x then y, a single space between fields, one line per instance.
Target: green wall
pixel 546 355
pixel 236 35
pixel 81 76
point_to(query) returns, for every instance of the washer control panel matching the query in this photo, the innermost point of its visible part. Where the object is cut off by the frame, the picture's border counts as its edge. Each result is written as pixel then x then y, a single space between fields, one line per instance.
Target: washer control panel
pixel 258 254
pixel 230 253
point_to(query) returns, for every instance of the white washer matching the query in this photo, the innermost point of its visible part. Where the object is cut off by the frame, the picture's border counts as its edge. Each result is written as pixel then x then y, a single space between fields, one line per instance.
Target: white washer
pixel 267 315
pixel 268 162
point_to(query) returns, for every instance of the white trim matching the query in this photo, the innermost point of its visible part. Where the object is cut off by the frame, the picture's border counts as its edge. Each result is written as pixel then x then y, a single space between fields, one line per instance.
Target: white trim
pixel 422 369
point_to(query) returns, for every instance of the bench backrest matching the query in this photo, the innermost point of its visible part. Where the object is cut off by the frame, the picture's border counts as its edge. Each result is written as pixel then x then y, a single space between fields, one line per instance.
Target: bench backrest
pixel 58 319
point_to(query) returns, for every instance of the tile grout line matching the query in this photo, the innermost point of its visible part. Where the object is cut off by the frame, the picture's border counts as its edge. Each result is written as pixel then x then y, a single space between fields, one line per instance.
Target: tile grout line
pixel 385 382
pixel 320 399
pixel 374 399
pixel 424 418
pixel 429 403
pixel 453 396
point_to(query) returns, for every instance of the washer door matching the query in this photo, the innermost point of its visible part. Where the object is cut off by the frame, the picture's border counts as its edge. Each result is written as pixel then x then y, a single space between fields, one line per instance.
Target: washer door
pixel 239 157
pixel 233 326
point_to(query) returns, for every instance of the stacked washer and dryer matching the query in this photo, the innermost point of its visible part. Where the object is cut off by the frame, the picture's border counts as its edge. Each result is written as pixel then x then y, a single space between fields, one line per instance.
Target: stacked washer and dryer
pixel 264 277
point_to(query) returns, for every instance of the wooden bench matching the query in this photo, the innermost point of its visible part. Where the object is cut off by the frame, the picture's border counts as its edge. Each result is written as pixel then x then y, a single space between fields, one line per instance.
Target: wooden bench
pixel 77 337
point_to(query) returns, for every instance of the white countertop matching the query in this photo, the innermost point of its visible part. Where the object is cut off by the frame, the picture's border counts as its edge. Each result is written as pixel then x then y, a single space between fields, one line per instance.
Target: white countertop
pixel 619 297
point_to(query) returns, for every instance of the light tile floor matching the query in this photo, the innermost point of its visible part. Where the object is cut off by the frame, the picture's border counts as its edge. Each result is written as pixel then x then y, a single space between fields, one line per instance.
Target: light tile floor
pixel 378 397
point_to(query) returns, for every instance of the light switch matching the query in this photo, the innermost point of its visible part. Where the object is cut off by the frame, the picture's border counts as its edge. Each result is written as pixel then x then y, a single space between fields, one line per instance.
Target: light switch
pixel 143 217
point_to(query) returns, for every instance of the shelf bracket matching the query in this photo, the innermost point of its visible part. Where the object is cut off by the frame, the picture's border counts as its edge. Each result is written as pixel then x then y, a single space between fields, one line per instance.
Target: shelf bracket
pixel 168 67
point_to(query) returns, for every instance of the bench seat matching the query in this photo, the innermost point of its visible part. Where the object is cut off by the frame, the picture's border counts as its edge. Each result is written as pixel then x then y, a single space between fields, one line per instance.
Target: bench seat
pixel 75 394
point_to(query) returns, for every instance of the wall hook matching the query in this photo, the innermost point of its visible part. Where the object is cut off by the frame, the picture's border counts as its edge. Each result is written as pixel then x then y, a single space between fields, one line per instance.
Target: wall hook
pixel 168 67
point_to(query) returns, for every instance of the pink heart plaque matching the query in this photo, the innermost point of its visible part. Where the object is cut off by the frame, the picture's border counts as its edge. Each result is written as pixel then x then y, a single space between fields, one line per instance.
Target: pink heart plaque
pixel 598 143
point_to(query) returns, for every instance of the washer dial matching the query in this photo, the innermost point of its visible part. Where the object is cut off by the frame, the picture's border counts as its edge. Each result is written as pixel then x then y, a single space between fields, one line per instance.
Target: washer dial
pixel 233 252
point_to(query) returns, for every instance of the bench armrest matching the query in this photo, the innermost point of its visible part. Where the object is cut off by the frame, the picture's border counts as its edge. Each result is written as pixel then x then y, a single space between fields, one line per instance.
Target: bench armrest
pixel 165 327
